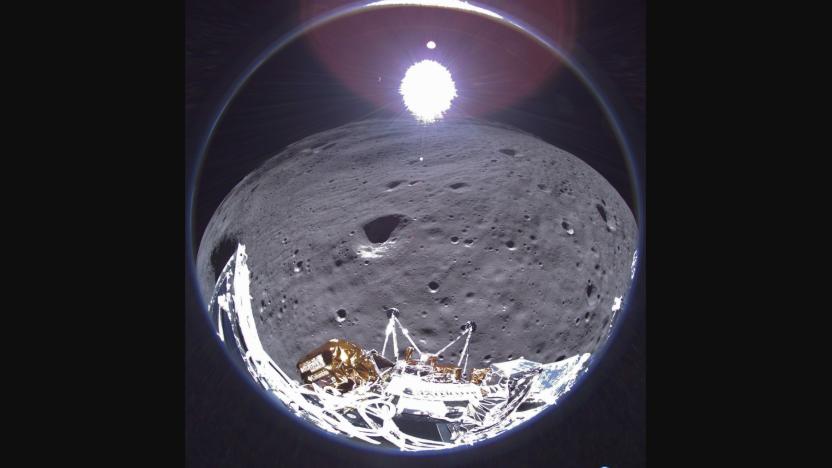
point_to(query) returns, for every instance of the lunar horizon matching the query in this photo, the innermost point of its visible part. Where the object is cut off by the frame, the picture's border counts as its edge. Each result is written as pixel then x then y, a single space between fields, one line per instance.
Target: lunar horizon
pixel 461 220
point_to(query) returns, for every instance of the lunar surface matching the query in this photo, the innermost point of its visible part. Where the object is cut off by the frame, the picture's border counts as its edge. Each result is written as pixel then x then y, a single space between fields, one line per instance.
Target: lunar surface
pixel 455 221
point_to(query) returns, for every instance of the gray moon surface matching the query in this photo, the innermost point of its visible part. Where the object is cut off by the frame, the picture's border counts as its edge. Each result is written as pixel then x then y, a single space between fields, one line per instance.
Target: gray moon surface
pixel 456 221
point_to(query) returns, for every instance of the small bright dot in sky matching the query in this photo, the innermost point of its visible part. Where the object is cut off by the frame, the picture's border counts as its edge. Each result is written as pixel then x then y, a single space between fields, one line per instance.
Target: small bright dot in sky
pixel 427 89
pixel 431 45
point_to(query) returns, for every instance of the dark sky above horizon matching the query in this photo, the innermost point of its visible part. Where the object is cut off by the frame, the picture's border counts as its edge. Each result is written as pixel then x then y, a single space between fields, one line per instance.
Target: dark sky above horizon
pixel 326 78
pixel 302 91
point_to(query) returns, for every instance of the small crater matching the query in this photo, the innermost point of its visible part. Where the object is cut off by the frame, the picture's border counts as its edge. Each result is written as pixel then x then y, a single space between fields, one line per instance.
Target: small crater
pixel 508 151
pixel 445 301
pixel 560 358
pixel 340 315
pixel 458 185
pixel 454 240
pixel 434 286
pixel 510 245
pixel 394 184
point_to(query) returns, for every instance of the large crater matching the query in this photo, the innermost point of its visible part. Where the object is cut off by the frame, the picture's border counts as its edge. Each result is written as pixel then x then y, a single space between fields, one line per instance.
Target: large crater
pixel 457 221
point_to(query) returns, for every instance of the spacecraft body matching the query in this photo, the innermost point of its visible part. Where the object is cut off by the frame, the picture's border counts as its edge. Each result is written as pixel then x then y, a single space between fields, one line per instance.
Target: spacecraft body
pixel 410 400
pixel 424 391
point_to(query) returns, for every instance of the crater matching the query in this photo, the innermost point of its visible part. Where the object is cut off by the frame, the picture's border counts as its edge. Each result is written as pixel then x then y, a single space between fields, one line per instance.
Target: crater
pixel 508 151
pixel 380 229
pixel 458 185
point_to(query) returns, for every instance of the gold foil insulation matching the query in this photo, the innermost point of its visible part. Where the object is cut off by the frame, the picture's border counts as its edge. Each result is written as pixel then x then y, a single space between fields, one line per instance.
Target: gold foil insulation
pixel 478 375
pixel 344 365
pixel 338 363
pixel 408 355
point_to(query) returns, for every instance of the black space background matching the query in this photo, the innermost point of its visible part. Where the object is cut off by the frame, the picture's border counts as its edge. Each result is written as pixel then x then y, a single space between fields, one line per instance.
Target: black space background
pixel 227 425
pixel 103 95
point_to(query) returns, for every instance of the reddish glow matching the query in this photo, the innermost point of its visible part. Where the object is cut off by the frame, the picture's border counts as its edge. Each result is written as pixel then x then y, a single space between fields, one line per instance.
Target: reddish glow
pixel 493 65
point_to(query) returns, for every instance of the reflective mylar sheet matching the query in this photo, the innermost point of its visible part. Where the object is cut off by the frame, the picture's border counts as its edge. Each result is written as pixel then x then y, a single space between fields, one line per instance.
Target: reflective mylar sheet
pixel 361 401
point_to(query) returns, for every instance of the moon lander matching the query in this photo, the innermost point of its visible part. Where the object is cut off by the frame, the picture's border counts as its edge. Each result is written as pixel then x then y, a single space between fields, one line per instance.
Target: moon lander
pixel 408 401
pixel 434 400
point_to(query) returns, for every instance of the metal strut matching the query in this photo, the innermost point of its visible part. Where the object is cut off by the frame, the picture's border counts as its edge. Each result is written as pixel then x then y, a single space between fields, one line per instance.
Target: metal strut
pixel 467 330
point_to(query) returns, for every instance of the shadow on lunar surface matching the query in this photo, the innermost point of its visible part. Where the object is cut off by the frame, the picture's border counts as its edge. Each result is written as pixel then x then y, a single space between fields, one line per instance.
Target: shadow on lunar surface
pixel 397 408
pixel 224 250
pixel 528 256
pixel 522 272
pixel 380 229
pixel 490 249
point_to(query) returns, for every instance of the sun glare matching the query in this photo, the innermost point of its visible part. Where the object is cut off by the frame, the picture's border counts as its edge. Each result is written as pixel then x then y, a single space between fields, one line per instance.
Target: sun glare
pixel 427 89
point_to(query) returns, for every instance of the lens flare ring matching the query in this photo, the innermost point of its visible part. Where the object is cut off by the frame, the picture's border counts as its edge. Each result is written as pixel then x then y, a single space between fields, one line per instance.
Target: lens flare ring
pixel 204 132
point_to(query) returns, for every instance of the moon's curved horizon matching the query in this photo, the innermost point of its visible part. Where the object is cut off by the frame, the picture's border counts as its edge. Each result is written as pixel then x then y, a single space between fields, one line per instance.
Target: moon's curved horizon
pixel 461 220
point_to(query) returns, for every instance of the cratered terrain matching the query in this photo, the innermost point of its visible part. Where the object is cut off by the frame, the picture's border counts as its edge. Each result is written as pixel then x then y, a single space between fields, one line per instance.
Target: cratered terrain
pixel 456 221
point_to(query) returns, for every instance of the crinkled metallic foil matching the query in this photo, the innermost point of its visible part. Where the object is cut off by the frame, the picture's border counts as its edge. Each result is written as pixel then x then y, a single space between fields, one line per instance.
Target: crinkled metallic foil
pixel 345 365
pixel 478 375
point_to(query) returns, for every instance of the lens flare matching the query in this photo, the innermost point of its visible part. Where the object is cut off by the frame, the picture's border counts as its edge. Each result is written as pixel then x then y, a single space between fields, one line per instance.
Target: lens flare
pixel 428 89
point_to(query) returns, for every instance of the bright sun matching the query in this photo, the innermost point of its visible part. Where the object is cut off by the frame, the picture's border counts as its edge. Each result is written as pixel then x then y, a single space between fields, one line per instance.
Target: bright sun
pixel 427 89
